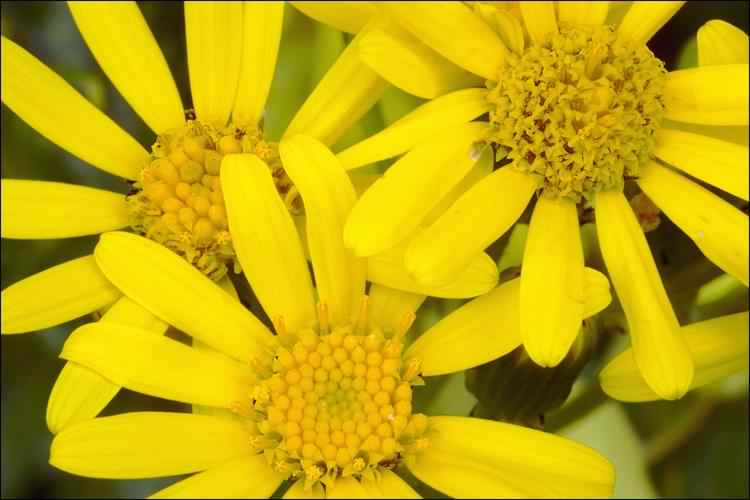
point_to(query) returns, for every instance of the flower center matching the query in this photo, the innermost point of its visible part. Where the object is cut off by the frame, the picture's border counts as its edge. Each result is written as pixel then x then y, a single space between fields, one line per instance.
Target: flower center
pixel 337 404
pixel 579 111
pixel 178 201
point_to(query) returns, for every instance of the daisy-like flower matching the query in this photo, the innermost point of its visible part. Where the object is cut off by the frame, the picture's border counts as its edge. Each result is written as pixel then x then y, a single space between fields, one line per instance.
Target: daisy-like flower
pixel 326 403
pixel 578 109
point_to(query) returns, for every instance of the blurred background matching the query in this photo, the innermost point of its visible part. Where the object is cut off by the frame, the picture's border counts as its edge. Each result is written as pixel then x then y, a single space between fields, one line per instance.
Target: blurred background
pixel 696 447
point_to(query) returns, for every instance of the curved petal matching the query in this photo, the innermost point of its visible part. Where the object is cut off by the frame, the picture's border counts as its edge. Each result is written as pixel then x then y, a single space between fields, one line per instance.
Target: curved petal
pixel 262 23
pixel 720 230
pixel 394 206
pixel 661 351
pixel 388 485
pixel 347 487
pixel 595 291
pixel 57 111
pixel 79 393
pixel 387 307
pixel 720 163
pixel 266 242
pixel 464 230
pixel 719 347
pixel 176 292
pixel 349 17
pixel 418 126
pixel 692 95
pixel 471 457
pixel 328 196
pixel 721 43
pixel 583 13
pixel 297 490
pixel 644 19
pixel 453 31
pixel 214 51
pixel 56 295
pixel 148 444
pixel 41 210
pixel 552 282
pixel 122 44
pixel 539 18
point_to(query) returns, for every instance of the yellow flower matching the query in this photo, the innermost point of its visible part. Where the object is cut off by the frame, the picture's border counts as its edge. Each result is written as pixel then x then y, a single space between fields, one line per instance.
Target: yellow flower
pixel 325 403
pixel 577 109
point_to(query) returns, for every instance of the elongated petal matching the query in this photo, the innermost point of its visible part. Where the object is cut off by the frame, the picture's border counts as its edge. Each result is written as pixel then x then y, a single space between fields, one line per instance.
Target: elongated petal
pixel 214 51
pixel 56 295
pixel 454 31
pixel 661 351
pixel 57 111
pixel 42 210
pixel 720 163
pixel 719 347
pixel 266 242
pixel 176 292
pixel 399 57
pixel 260 45
pixel 148 444
pixel 388 485
pixel 539 18
pixel 349 17
pixel 122 44
pixel 719 229
pixel 465 230
pixel 552 282
pixel 246 477
pixel 420 125
pixel 709 95
pixel 328 196
pixel 388 269
pixel 644 19
pixel 387 307
pixel 344 94
pixel 79 393
pixel 398 202
pixel 471 457
pixel 721 43
pixel 583 13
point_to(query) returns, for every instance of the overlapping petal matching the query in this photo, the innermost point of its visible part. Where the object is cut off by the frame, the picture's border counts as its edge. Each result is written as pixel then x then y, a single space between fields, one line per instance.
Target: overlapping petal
pixel 644 19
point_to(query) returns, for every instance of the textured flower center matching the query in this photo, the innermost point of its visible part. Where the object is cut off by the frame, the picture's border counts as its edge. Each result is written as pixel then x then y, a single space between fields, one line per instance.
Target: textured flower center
pixel 178 200
pixel 579 111
pixel 338 404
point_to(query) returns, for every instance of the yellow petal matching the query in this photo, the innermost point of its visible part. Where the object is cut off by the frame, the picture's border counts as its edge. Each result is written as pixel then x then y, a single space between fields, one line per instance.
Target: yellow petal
pixel 583 13
pixel 56 295
pixel 721 43
pixel 476 333
pixel 720 230
pixel 214 50
pixel 399 57
pixel 344 94
pixel 418 126
pixel 453 31
pixel 328 196
pixel 347 487
pixel 266 242
pixel 43 210
pixel 148 444
pixel 122 44
pixel 720 163
pixel 260 45
pixel 709 95
pixel 246 477
pixel 344 16
pixel 79 393
pixel 644 19
pixel 57 111
pixel 176 292
pixel 396 204
pixel 552 282
pixel 661 351
pixel 595 291
pixel 158 366
pixel 539 18
pixel 719 347
pixel 388 308
pixel 298 488
pixel 471 457
pixel 388 485
pixel 464 230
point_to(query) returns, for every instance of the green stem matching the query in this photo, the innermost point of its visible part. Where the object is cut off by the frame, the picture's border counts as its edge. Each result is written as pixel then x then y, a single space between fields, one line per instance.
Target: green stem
pixel 589 400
